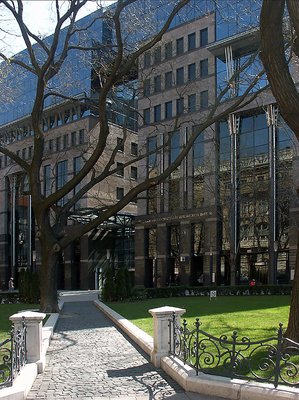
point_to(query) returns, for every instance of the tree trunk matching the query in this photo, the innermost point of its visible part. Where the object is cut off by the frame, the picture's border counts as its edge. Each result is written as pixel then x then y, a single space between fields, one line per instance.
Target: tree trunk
pixel 48 280
pixel 292 331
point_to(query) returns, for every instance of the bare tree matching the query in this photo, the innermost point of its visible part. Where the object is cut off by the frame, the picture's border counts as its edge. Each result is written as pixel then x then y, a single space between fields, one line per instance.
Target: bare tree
pixel 114 63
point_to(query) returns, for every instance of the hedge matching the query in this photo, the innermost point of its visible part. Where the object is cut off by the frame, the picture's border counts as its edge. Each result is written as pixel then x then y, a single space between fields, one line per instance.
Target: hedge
pixel 182 291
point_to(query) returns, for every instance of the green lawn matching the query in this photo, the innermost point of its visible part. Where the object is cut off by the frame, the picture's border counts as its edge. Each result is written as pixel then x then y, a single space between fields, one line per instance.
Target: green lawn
pixel 6 310
pixel 254 316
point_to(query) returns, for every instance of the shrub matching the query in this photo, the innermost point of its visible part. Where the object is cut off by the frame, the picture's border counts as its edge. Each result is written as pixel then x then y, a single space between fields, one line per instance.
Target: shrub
pixel 29 291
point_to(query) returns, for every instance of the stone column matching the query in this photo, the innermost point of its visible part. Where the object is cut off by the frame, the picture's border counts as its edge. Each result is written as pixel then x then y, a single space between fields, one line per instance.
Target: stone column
pixel 140 255
pixel 34 337
pixel 162 253
pixel 161 316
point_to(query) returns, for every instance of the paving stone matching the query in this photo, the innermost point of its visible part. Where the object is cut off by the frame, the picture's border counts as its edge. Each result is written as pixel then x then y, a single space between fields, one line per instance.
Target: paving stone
pixel 91 359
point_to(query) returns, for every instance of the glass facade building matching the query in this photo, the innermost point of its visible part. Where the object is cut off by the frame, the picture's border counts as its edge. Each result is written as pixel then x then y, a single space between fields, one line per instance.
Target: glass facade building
pixel 226 214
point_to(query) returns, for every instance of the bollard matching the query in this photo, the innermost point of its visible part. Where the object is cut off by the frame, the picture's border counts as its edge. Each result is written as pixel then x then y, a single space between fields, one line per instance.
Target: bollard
pixel 161 317
pixel 34 337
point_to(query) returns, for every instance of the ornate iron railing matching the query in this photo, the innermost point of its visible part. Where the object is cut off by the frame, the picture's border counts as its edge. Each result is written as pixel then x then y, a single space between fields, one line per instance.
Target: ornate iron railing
pixel 272 360
pixel 12 355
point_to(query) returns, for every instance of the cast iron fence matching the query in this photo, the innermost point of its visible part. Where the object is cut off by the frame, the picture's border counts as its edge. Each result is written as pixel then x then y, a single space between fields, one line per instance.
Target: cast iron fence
pixel 273 360
pixel 12 355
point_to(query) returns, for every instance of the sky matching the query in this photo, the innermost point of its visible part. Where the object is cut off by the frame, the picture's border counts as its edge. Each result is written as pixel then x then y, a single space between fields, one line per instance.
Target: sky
pixel 40 18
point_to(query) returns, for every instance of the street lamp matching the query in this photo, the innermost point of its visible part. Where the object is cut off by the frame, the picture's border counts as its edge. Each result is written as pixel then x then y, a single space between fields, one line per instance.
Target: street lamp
pixel 275 248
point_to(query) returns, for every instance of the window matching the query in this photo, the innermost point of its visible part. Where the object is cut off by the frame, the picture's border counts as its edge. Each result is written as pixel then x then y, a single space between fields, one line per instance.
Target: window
pixel 168 109
pixel 147 87
pixel 77 164
pixel 1 161
pixel 61 173
pixel 180 106
pixel 66 116
pixel 168 50
pixel 174 146
pixel 146 116
pixel 120 144
pixel 24 154
pixel 134 173
pixel 180 76
pixel 157 113
pixel 147 59
pixel 157 83
pixel 179 46
pixel 30 150
pixel 203 37
pixel 191 41
pixel 134 149
pixel 18 153
pixel 81 136
pixel 151 148
pixel 119 193
pixel 168 80
pixel 120 169
pixel 157 55
pixel 192 102
pixel 58 143
pixel 47 180
pixel 65 141
pixel 191 72
pixel 204 99
pixel 204 68
pixel 74 138
pixel 51 145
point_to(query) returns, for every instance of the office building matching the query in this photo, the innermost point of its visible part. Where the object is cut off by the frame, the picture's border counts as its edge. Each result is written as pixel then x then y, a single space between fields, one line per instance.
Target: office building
pixel 227 214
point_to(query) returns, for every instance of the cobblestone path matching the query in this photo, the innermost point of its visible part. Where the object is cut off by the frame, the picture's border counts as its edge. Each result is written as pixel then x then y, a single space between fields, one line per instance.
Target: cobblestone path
pixel 90 359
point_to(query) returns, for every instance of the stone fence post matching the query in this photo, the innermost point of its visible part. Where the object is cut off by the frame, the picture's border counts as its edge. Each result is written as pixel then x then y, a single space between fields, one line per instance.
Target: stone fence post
pixel 161 317
pixel 34 337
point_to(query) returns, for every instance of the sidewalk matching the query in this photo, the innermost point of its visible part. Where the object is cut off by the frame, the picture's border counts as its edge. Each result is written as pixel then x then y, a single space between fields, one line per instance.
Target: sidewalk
pixel 90 359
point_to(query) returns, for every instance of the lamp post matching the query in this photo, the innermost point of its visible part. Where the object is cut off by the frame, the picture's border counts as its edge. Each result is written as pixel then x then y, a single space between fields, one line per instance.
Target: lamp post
pixel 275 248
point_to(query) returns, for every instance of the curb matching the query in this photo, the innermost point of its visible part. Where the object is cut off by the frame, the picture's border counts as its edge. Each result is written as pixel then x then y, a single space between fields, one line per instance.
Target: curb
pixel 145 341
pixel 185 376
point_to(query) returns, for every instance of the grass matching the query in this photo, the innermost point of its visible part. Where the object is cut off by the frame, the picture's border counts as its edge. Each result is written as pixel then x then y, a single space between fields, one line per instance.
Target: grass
pixel 256 317
pixel 6 310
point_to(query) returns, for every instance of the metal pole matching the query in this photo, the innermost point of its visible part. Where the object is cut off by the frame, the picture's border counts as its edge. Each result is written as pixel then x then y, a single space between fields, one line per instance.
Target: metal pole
pixel 272 113
pixel 13 227
pixel 234 123
pixel 29 245
pixel 211 267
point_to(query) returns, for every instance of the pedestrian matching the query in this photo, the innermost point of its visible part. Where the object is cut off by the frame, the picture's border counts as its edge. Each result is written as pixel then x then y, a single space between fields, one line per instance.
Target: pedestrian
pixel 252 283
pixel 11 285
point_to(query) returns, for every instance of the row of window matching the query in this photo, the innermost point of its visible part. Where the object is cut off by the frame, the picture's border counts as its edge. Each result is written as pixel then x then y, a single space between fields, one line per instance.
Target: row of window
pixel 61 177
pixel 175 147
pixel 49 122
pixel 176 48
pixel 181 107
pixel 64 117
pixel 121 171
pixel 179 78
pixel 65 141
pixel 58 144
pixel 121 148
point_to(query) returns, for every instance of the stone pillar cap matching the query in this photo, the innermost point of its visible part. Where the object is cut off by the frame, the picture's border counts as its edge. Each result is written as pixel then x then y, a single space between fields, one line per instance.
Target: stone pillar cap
pixel 29 316
pixel 166 310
